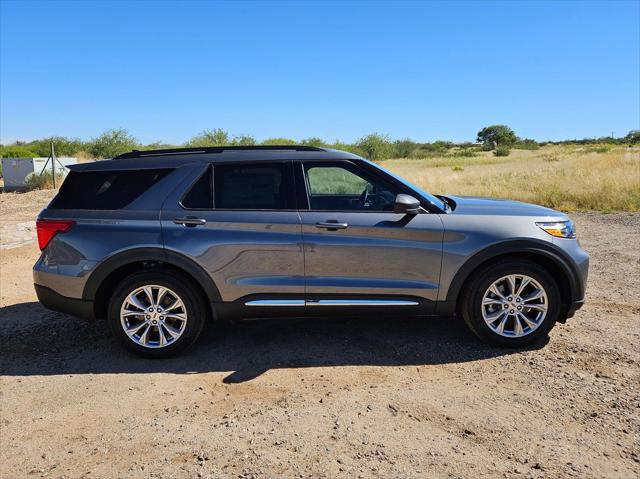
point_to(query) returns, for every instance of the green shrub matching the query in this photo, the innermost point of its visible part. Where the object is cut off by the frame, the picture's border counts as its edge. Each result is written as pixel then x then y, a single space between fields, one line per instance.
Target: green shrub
pixel 457 168
pixel 502 151
pixel 599 149
pixel 526 144
pixel 13 151
pixel 550 158
pixel 464 153
pixel 403 148
pixel 375 146
pixel 43 181
pixel 319 142
pixel 279 141
pixel 112 143
pixel 215 137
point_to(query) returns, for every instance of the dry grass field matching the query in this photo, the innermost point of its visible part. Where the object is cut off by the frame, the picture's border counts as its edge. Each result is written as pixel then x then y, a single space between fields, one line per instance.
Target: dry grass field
pixel 568 178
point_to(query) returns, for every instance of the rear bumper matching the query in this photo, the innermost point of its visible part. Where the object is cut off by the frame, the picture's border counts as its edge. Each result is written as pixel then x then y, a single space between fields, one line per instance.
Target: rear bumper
pixel 56 302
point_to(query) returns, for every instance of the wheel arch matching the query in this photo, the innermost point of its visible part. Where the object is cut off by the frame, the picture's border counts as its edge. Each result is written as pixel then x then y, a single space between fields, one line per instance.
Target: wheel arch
pixel 110 272
pixel 545 254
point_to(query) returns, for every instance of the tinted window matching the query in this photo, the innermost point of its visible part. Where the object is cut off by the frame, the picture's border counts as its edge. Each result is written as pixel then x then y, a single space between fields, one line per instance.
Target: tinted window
pixel 252 187
pixel 105 190
pixel 200 196
pixel 348 188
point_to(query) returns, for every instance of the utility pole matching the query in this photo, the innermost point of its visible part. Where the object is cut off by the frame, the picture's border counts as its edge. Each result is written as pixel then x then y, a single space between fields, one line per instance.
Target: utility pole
pixel 53 165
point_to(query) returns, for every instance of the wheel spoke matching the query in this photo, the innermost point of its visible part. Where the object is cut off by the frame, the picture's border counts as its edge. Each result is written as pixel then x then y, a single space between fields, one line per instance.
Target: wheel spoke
pixel 491 301
pixel 161 294
pixel 529 323
pixel 500 328
pixel 175 305
pixel 523 285
pixel 494 289
pixel 128 314
pixel 517 326
pixel 537 307
pixel 492 317
pixel 133 300
pixel 511 281
pixel 144 337
pixel 134 329
pixel 173 332
pixel 148 291
pixel 161 337
pixel 536 294
pixel 178 316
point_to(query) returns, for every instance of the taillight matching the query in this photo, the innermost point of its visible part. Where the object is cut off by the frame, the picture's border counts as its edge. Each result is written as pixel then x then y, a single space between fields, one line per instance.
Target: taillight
pixel 47 229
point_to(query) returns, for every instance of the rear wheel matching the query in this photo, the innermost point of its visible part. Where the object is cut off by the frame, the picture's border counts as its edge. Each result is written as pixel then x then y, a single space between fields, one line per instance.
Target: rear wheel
pixel 156 313
pixel 513 303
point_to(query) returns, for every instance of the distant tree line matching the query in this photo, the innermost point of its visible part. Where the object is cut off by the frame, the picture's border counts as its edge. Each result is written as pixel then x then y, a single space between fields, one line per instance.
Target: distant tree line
pixel 375 146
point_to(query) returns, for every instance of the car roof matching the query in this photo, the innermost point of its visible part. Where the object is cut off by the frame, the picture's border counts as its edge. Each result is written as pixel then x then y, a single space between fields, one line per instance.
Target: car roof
pixel 173 158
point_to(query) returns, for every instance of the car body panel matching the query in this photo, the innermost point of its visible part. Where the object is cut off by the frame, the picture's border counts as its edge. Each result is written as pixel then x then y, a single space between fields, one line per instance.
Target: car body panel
pixel 378 253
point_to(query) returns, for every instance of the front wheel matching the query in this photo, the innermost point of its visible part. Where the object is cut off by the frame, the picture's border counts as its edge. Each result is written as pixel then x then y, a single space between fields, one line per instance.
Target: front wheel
pixel 156 313
pixel 514 303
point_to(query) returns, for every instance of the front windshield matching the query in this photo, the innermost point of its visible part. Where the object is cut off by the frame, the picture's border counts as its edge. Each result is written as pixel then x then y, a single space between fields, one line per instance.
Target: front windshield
pixel 427 196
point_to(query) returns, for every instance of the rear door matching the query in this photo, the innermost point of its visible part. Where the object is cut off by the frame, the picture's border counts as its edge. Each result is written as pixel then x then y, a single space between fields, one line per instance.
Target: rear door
pixel 358 252
pixel 238 221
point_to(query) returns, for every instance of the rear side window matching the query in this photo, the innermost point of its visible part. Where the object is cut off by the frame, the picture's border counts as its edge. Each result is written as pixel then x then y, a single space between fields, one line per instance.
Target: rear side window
pixel 253 187
pixel 105 190
pixel 200 196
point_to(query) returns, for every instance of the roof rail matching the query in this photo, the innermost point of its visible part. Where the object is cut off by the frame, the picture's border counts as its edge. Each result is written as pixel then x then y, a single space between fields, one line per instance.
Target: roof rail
pixel 213 149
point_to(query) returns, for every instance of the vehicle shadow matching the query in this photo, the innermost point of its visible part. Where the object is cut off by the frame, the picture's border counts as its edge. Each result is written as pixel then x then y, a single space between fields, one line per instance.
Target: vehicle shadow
pixel 36 341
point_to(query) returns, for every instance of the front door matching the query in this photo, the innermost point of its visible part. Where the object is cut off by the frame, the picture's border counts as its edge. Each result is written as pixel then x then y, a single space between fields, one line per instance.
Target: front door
pixel 358 252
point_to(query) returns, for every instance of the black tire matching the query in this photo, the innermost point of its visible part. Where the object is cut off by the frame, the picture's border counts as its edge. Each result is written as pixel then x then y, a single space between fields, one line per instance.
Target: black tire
pixel 183 286
pixel 479 283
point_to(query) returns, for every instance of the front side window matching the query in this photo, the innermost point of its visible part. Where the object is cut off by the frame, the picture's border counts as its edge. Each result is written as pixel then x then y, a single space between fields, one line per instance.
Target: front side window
pixel 252 187
pixel 347 188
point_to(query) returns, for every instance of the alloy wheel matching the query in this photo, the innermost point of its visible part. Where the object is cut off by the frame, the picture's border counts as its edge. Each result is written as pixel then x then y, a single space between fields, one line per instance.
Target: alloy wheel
pixel 514 306
pixel 153 316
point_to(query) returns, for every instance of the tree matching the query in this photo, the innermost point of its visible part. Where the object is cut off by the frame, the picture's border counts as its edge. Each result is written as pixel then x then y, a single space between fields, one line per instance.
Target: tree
pixel 375 146
pixel 314 141
pixel 404 148
pixel 496 135
pixel 633 137
pixel 112 143
pixel 243 140
pixel 279 141
pixel 215 137
pixel 13 151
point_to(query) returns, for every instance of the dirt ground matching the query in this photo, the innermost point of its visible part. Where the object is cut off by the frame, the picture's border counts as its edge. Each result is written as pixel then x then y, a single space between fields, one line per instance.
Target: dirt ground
pixel 328 398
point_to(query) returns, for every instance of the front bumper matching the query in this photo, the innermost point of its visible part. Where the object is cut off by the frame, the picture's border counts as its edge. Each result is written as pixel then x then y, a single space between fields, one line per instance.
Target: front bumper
pixel 56 302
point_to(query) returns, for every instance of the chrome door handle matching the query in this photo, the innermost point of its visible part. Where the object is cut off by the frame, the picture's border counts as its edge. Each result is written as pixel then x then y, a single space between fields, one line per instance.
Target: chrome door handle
pixel 190 221
pixel 331 225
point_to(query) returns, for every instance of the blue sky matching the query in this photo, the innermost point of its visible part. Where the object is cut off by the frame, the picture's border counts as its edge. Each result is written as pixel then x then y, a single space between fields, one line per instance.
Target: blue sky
pixel 432 70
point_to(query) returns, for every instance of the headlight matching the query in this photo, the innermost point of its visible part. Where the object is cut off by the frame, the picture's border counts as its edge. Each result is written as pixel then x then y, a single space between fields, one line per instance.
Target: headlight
pixel 560 229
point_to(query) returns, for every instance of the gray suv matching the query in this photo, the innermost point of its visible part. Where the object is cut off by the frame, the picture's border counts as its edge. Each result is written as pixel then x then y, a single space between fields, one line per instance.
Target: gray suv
pixel 159 242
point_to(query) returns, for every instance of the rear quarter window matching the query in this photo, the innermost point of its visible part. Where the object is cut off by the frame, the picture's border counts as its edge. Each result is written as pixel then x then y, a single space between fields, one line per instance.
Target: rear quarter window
pixel 105 190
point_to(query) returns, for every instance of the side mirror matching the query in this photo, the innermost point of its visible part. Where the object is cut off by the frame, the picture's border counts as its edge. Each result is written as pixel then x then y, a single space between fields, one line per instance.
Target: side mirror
pixel 406 205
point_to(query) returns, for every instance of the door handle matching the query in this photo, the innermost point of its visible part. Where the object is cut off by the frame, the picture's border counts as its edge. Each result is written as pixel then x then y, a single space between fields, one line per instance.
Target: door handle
pixel 190 221
pixel 331 225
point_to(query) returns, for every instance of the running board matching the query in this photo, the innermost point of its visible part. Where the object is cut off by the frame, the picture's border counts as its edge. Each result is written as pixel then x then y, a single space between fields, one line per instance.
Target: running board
pixel 330 302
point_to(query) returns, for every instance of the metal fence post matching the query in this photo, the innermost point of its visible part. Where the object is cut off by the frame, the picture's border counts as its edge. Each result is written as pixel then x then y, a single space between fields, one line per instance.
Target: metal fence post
pixel 53 165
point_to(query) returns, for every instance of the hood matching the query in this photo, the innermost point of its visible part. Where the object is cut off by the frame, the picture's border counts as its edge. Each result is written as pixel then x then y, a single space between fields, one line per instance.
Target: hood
pixel 476 205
